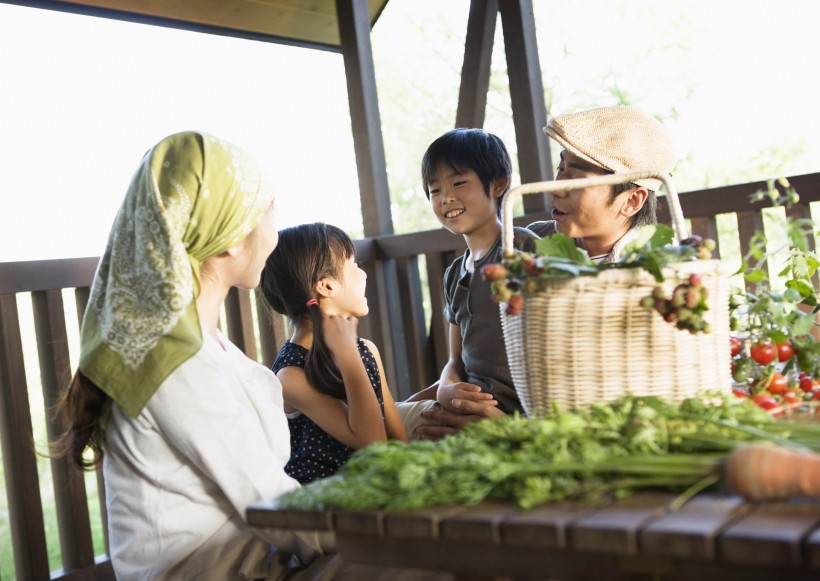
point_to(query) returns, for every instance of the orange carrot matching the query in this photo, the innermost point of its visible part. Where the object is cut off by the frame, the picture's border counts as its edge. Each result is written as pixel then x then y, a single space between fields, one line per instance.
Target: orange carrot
pixel 766 472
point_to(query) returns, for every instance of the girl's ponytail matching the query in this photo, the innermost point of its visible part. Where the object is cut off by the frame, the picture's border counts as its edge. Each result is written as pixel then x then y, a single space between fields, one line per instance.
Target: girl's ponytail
pixel 321 370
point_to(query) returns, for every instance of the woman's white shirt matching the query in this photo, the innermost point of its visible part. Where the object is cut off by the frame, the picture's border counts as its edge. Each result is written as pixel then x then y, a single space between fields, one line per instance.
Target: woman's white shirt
pixel 211 440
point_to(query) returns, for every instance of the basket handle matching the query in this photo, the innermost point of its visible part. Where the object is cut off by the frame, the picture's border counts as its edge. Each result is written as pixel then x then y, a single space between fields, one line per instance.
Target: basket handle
pixel 606 180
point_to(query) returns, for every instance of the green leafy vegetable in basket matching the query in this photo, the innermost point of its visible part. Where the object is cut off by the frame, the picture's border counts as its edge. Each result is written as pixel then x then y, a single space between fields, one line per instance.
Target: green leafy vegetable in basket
pixel 558 256
pixel 591 455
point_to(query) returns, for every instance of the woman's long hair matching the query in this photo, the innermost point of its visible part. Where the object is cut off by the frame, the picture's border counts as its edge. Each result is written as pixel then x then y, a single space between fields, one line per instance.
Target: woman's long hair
pixel 305 255
pixel 82 410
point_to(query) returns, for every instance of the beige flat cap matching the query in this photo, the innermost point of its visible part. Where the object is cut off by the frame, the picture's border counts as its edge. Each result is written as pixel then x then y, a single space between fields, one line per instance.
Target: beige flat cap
pixel 621 139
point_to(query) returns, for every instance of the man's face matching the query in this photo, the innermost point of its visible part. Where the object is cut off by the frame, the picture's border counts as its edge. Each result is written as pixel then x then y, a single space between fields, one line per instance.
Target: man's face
pixel 587 212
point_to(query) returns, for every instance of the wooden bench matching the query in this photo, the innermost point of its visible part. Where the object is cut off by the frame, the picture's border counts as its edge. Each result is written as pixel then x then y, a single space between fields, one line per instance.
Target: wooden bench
pixel 45 288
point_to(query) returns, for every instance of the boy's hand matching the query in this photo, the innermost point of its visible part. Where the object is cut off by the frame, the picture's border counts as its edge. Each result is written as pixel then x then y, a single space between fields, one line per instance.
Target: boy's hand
pixel 467 398
pixel 443 423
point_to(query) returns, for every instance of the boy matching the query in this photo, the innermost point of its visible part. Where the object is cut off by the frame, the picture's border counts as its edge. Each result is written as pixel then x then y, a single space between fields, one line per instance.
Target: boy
pixel 602 219
pixel 601 141
pixel 466 173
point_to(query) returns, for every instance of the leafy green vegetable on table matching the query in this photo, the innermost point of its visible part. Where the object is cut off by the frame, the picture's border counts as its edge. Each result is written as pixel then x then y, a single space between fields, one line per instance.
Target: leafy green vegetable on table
pixel 591 455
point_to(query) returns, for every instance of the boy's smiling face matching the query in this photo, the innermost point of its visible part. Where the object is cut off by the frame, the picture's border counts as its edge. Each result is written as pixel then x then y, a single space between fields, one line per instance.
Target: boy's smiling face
pixel 460 202
pixel 588 213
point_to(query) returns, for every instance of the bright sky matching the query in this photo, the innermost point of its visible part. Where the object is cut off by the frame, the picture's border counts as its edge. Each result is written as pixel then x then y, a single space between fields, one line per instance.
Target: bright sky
pixel 83 98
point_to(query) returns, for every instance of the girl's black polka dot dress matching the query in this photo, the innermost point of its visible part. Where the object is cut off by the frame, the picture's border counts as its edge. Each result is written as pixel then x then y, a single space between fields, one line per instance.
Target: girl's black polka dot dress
pixel 313 452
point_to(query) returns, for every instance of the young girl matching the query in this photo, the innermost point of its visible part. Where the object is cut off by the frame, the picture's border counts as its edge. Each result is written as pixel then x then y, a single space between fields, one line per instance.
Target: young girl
pixel 335 393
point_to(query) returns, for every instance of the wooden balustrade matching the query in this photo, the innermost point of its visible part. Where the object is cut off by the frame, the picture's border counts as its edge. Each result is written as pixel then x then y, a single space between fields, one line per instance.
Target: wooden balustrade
pixel 422 336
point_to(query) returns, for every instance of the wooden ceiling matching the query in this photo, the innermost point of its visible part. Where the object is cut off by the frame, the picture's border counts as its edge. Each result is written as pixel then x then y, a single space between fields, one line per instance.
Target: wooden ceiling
pixel 310 23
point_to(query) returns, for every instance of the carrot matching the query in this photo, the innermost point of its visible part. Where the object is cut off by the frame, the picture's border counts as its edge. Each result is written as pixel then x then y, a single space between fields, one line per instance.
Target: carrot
pixel 762 471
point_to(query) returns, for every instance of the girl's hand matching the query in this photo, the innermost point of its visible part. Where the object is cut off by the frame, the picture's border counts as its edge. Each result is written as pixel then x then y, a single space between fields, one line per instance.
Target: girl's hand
pixel 340 335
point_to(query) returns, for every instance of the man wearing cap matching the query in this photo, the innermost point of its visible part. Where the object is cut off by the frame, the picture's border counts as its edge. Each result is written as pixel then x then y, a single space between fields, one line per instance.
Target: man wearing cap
pixel 606 140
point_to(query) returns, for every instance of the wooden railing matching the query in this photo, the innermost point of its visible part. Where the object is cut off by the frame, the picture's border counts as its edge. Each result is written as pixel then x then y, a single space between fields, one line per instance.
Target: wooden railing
pixel 419 339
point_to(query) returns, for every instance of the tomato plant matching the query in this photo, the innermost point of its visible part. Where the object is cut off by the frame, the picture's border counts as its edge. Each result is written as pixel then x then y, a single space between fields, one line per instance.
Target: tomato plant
pixel 763 353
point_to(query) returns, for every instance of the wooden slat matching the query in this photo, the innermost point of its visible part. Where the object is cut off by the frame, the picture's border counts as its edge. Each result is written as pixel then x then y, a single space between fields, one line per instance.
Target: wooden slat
pixel 475 70
pixel 240 321
pixel 20 466
pixel 81 296
pixel 363 522
pixel 46 274
pixel 102 570
pixel 747 224
pixel 691 532
pixel 544 526
pixel 267 513
pixel 813 549
pixel 729 199
pixel 802 212
pixel 423 523
pixel 273 331
pixel 706 227
pixel 439 327
pixel 479 524
pixel 77 550
pixel 772 534
pixel 420 371
pixel 615 528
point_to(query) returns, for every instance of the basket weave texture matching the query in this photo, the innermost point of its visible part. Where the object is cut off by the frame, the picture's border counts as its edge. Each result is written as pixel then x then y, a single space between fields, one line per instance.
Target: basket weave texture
pixel 585 339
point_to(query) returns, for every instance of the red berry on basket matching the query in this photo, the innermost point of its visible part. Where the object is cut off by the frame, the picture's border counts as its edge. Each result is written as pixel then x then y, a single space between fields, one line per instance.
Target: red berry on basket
pixel 515 305
pixel 494 272
pixel 531 267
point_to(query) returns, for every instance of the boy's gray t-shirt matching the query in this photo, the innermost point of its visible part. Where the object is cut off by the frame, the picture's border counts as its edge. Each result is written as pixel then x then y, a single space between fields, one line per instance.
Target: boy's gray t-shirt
pixel 469 304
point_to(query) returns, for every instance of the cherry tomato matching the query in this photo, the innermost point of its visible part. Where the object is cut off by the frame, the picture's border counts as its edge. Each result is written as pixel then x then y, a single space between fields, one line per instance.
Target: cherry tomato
pixel 764 353
pixel 816 394
pixel 759 398
pixel 792 399
pixel 807 384
pixel 736 345
pixel 740 393
pixel 784 351
pixel 777 383
pixel 769 404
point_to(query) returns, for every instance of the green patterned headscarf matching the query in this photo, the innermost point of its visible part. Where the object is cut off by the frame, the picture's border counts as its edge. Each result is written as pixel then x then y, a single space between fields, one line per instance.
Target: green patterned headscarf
pixel 193 197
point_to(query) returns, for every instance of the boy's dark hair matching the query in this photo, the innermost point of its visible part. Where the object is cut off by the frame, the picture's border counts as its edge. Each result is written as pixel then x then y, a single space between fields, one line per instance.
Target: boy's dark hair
pixel 471 149
pixel 648 214
pixel 305 255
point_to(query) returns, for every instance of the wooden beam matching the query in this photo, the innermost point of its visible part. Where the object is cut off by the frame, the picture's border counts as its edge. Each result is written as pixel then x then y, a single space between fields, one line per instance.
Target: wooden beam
pixel 475 72
pixel 527 97
pixel 385 320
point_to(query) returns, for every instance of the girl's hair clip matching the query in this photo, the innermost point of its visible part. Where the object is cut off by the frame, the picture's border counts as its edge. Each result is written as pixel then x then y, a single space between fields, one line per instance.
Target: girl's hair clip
pixel 311 303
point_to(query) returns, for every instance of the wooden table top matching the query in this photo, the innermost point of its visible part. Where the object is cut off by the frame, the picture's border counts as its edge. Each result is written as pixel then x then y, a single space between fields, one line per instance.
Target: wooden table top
pixel 713 536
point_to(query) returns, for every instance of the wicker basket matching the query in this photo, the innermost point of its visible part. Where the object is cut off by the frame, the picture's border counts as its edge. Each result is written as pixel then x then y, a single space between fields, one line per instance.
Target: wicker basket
pixel 586 339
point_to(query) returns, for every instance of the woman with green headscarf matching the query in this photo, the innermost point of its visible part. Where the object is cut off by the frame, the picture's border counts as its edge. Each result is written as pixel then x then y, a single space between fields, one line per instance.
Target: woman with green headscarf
pixel 193 431
pixel 190 431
